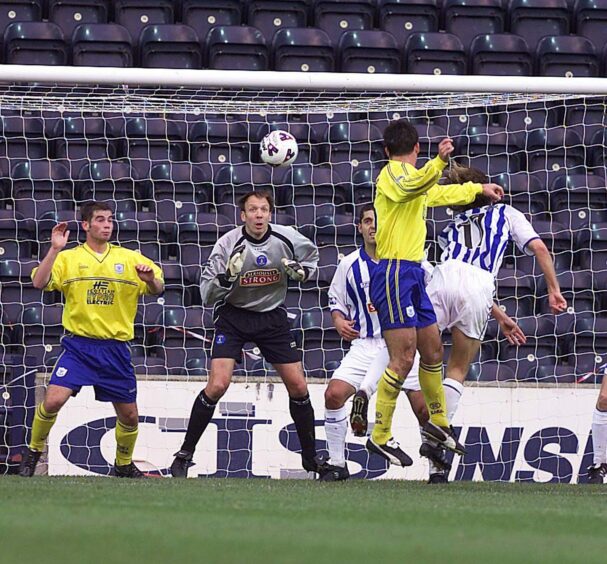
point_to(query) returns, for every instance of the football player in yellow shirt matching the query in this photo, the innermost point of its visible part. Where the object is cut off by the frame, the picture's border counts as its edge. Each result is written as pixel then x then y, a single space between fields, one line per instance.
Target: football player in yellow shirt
pixel 397 288
pixel 101 284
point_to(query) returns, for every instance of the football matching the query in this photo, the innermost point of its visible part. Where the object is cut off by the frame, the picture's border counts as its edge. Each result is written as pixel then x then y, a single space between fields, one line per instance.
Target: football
pixel 278 148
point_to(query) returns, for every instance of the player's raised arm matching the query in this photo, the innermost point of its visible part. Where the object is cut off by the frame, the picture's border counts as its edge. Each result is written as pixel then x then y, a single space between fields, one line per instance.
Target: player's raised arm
pixel 59 237
pixel 146 274
pixel 222 270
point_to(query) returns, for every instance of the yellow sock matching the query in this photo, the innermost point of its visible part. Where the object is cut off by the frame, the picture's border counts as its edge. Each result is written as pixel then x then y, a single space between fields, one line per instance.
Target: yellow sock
pixel 431 383
pixel 387 394
pixel 125 442
pixel 41 427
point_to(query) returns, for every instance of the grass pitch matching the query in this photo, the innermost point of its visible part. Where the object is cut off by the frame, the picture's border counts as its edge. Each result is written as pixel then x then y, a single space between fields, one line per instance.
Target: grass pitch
pixel 90 520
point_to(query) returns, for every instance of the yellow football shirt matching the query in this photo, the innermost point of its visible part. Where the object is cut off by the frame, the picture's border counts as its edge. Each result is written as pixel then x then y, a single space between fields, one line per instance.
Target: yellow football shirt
pixel 402 195
pixel 101 290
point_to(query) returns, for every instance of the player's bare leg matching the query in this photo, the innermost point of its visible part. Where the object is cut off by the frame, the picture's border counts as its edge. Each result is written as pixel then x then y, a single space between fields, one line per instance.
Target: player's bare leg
pixel 598 470
pixel 431 382
pixel 463 351
pixel 202 412
pixel 302 413
pixel 127 428
pixel 401 345
pixel 336 428
pixel 44 419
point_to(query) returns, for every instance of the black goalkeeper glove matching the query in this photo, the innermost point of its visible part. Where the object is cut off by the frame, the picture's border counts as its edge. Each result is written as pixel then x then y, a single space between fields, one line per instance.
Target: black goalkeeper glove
pixel 295 270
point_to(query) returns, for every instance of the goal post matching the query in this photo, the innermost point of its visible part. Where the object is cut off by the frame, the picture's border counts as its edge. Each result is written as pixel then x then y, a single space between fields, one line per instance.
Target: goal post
pixel 173 150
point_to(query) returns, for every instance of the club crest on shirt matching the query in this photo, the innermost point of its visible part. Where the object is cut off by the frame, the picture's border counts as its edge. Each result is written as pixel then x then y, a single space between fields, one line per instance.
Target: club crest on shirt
pixel 119 268
pixel 261 260
pixel 410 311
pixel 61 372
pixel 261 277
pixel 371 308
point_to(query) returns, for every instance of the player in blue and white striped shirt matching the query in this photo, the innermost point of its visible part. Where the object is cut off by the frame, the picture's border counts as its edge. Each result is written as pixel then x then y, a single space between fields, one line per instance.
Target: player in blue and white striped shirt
pixel 356 320
pixel 462 286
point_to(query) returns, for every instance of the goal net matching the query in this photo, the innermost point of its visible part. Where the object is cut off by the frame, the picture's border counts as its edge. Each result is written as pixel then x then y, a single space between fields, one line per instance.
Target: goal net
pixel 173 161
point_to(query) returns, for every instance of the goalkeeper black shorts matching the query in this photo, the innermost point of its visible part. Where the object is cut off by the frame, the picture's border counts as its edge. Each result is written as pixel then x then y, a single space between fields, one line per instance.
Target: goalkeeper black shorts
pixel 270 331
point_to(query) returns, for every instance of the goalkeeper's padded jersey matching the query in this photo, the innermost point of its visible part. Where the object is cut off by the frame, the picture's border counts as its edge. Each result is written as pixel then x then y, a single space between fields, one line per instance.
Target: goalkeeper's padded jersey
pixel 101 290
pixel 402 195
pixel 262 283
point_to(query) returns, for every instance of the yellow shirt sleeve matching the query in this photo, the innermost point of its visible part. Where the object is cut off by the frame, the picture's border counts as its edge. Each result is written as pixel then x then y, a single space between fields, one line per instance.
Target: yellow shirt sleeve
pixel 406 182
pixel 453 194
pixel 143 287
pixel 57 274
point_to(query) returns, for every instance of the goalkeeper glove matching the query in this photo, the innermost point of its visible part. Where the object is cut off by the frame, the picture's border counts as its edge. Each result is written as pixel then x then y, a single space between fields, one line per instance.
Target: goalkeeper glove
pixel 295 270
pixel 235 264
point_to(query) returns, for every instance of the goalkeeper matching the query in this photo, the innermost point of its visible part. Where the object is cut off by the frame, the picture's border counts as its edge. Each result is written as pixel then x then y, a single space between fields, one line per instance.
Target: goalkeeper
pixel 246 281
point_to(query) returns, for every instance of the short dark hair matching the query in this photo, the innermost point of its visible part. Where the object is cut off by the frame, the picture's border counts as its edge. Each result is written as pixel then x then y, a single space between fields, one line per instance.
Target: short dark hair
pixel 458 174
pixel 363 210
pixel 400 137
pixel 261 194
pixel 87 210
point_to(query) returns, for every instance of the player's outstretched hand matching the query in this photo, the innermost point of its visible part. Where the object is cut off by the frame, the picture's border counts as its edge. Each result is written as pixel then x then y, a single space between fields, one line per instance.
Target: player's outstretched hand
pixel 345 329
pixel 236 262
pixel 557 302
pixel 445 148
pixel 144 272
pixel 493 191
pixel 294 269
pixel 513 333
pixel 59 236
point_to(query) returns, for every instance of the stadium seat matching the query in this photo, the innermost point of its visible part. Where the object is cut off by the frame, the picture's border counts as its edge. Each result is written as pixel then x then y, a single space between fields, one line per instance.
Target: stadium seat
pixel 590 18
pixel 175 185
pixel 592 251
pixel 524 192
pixel 303 49
pixel 34 43
pixel 109 180
pixel 154 139
pixel 79 141
pixel 337 16
pixel 69 14
pixel 548 374
pixel 134 15
pixel 566 55
pixel 500 54
pixel 202 228
pixel 132 228
pixel 16 290
pixel 534 19
pixel 19 11
pixel 515 293
pixel 236 48
pixel 354 144
pixel 336 230
pixel 491 149
pixel 363 185
pixel 586 119
pixel 169 46
pixel 434 53
pixel 553 150
pixel 401 18
pixel 41 186
pixel 457 121
pixel 528 117
pixel 464 18
pixel 494 371
pixel 598 151
pixel 587 333
pixel 102 45
pixel 429 138
pixel 219 142
pixel 574 191
pixel 22 138
pixel 202 16
pixel 42 330
pixel 269 16
pixel 368 51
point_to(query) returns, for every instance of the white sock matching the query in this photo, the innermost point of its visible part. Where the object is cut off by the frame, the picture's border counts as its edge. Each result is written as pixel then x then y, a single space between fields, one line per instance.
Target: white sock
pixel 599 436
pixel 453 393
pixel 431 466
pixel 336 428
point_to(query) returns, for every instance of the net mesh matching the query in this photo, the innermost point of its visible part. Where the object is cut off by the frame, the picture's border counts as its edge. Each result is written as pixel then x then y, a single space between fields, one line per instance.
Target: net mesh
pixel 173 163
